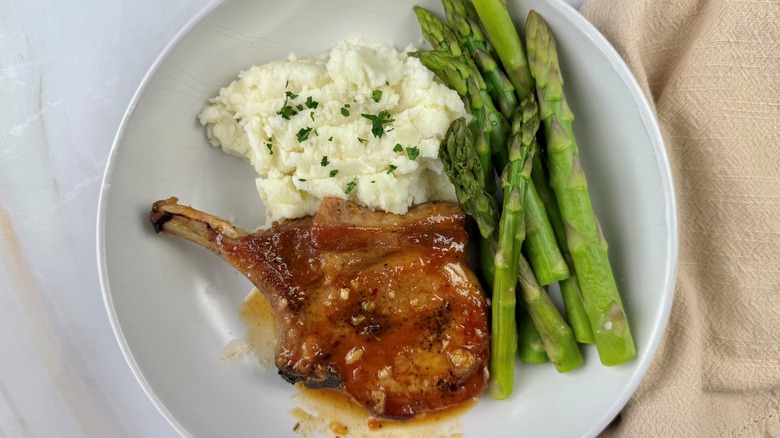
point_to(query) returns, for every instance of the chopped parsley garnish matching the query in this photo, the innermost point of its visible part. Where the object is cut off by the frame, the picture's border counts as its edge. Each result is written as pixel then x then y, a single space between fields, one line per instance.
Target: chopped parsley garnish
pixel 330 138
pixel 303 134
pixel 412 152
pixel 300 107
pixel 324 161
pixel 345 110
pixel 376 95
pixel 398 148
pixel 270 148
pixel 301 180
pixel 286 84
pixel 334 172
pixel 391 168
pixel 378 122
pixel 311 114
pixel 350 185
pixel 362 140
pixel 288 111
pixel 311 103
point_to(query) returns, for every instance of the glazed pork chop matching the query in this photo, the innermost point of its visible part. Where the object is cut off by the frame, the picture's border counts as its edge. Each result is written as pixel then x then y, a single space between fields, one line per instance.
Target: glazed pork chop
pixel 381 306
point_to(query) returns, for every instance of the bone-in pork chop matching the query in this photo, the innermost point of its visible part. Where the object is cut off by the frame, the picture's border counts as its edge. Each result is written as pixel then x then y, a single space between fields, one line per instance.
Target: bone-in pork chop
pixel 382 306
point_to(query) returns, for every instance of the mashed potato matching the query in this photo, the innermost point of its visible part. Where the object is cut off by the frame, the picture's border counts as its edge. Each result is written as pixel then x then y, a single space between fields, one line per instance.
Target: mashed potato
pixel 363 122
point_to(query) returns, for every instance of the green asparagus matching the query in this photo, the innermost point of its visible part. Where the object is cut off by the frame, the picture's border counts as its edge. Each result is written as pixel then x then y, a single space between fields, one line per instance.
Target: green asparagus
pixel 530 347
pixel 542 248
pixel 557 336
pixel 570 288
pixel 462 166
pixel 511 233
pixel 438 34
pixel 540 243
pixel 487 251
pixel 462 17
pixel 459 76
pixel 444 39
pixel 585 241
pixel 501 30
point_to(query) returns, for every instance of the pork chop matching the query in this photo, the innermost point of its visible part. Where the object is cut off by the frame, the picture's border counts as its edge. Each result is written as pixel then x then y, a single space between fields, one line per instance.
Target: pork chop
pixel 382 306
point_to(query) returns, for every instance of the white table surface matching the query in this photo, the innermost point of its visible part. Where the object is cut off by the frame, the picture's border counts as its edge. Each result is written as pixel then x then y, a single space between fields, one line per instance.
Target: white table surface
pixel 68 70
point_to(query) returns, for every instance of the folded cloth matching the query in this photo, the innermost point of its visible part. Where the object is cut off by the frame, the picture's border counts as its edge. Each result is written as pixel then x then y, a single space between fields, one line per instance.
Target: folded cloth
pixel 711 68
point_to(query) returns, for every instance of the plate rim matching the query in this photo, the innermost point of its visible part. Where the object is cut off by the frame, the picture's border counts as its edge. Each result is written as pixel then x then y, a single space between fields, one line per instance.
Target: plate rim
pixel 102 210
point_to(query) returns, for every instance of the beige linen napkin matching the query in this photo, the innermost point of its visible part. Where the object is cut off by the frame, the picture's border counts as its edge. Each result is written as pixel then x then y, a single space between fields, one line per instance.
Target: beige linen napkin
pixel 711 68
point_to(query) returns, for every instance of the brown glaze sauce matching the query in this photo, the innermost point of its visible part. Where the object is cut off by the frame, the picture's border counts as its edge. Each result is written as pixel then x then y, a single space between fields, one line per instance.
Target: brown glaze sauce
pixel 332 413
pixel 261 328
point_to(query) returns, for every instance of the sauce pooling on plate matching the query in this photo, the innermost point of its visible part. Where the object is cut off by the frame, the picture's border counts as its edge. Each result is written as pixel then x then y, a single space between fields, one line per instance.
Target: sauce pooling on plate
pixel 329 412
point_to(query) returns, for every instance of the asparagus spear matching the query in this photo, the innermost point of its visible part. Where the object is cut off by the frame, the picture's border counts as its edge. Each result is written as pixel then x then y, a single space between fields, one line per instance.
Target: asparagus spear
pixel 585 242
pixel 511 233
pixel 546 258
pixel 530 347
pixel 487 252
pixel 442 38
pixel 557 336
pixel 459 76
pixel 570 288
pixel 462 17
pixel 462 166
pixel 502 33
pixel 540 244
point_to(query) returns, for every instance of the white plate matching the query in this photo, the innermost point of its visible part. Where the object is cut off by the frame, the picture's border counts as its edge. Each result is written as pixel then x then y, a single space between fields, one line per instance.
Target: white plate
pixel 174 306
